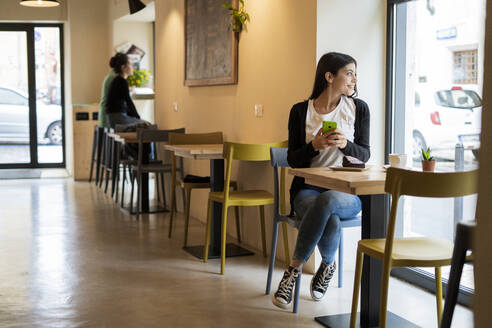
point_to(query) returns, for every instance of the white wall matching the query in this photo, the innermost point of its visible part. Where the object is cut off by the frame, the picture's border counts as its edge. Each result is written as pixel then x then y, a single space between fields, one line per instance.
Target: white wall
pixel 358 28
pixel 138 33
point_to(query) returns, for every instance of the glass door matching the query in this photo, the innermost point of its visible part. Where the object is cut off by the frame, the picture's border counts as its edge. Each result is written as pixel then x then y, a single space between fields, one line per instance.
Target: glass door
pixel 31 96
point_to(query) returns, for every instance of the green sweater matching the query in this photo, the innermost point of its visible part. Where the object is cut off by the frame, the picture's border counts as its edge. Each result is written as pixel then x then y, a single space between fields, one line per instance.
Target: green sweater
pixel 102 121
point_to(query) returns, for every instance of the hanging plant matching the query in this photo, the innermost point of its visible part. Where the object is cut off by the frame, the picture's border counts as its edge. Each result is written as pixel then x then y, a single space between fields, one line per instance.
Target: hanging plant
pixel 239 16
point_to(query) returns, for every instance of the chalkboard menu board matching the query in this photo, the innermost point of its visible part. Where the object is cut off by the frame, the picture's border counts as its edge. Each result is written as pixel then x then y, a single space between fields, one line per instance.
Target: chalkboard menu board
pixel 211 46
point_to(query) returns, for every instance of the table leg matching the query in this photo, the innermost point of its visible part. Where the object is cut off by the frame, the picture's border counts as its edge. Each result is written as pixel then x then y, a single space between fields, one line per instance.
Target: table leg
pixel 374 214
pixel 145 179
pixel 217 184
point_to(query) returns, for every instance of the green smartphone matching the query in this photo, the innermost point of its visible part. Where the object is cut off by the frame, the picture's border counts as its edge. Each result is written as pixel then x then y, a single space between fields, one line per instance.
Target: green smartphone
pixel 329 126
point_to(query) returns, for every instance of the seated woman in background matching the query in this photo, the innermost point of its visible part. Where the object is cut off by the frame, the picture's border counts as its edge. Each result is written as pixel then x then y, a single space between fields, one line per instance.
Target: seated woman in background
pixel 319 209
pixel 119 105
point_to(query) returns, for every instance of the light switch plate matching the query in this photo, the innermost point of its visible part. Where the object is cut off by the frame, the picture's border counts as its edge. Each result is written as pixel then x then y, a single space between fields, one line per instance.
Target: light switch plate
pixel 258 110
pixel 175 106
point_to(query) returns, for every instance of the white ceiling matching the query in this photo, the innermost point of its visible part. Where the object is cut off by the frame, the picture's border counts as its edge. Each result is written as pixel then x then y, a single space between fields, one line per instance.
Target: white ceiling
pixel 145 15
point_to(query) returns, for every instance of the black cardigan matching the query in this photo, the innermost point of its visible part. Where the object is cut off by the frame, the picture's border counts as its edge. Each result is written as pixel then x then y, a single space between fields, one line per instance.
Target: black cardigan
pixel 118 99
pixel 300 153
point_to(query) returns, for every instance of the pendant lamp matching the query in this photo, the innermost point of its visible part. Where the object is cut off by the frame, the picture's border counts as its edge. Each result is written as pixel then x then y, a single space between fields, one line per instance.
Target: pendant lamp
pixel 40 3
pixel 135 6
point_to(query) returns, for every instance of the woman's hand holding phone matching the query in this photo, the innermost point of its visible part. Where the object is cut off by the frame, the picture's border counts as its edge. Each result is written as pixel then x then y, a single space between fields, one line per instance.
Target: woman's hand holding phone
pixel 332 138
pixel 336 138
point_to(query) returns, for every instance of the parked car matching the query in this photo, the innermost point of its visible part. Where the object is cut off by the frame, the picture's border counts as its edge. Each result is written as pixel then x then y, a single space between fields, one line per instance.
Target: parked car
pixel 14 119
pixel 443 118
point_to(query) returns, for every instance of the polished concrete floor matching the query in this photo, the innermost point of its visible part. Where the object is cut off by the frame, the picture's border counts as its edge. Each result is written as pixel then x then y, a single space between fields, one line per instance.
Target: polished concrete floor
pixel 69 257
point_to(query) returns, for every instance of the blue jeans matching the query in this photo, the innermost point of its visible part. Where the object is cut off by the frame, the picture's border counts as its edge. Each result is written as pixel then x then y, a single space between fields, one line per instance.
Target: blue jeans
pixel 320 211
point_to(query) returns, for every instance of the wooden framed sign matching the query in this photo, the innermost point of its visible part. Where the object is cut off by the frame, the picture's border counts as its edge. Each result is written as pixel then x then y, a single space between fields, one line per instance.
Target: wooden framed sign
pixel 210 43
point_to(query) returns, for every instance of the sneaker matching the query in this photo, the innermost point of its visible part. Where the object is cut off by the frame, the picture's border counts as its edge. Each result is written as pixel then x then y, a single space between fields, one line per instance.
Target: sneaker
pixel 320 281
pixel 283 296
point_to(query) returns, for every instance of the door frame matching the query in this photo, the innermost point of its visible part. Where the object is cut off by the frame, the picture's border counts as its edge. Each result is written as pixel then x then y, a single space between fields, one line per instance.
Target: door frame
pixel 31 71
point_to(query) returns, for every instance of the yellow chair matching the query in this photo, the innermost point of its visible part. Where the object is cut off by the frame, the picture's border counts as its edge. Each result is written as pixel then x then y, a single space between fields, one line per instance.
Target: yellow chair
pixel 242 152
pixel 415 251
pixel 193 182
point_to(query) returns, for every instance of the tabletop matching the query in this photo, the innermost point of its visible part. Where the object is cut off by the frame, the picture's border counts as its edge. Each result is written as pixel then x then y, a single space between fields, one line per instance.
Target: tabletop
pixel 198 151
pixel 126 137
pixel 368 182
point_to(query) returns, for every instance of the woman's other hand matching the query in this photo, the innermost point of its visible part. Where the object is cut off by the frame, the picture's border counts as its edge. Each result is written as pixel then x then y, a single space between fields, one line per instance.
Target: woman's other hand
pixel 336 138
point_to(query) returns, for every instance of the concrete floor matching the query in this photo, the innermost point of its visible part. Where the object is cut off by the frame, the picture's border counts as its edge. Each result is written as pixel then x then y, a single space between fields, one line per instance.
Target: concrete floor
pixel 71 258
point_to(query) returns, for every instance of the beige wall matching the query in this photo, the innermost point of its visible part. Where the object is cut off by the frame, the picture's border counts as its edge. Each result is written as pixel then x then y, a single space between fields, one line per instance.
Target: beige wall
pixel 277 59
pixel 10 10
pixel 483 264
pixel 138 33
pixel 90 44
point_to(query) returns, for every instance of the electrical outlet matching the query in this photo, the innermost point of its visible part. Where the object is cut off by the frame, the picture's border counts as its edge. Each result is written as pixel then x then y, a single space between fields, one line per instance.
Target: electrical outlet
pixel 175 106
pixel 259 110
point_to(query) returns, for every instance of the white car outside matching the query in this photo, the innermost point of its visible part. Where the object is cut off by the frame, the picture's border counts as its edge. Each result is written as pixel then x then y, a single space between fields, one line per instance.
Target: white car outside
pixel 14 119
pixel 442 118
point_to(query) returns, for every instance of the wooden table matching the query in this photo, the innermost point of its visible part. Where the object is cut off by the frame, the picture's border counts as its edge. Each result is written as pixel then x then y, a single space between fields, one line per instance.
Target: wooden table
pixel 131 138
pixel 213 153
pixel 369 185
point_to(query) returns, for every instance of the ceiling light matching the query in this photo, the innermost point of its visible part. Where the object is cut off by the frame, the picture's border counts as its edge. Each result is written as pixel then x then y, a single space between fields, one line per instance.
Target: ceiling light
pixel 135 5
pixel 40 3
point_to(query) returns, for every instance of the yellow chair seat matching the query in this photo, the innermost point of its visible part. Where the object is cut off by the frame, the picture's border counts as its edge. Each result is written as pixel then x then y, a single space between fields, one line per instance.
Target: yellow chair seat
pixel 244 198
pixel 411 252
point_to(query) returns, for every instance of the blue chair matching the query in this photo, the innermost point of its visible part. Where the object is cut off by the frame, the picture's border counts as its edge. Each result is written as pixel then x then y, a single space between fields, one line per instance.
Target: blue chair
pixel 278 159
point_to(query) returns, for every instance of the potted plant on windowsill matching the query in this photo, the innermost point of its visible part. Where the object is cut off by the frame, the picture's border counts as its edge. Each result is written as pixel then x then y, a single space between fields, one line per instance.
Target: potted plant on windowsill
pixel 428 162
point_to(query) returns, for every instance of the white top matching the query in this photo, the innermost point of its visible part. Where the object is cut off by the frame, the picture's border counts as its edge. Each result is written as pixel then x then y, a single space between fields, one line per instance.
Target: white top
pixel 344 115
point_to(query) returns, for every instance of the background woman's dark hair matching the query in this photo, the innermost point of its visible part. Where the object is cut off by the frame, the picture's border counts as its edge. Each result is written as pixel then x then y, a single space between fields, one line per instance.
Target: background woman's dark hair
pixel 330 62
pixel 117 61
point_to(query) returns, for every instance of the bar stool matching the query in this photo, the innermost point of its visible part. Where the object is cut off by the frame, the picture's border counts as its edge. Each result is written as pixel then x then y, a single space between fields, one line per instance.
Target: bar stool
pixel 96 152
pixel 107 159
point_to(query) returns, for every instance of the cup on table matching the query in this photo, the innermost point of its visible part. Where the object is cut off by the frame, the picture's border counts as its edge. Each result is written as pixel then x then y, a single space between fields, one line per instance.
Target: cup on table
pixel 398 160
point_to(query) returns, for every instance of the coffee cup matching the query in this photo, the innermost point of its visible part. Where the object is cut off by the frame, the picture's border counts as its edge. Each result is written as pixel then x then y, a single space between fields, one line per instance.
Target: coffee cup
pixel 398 160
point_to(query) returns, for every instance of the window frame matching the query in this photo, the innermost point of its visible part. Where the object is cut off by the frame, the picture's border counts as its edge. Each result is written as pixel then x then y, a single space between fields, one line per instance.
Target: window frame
pixel 393 130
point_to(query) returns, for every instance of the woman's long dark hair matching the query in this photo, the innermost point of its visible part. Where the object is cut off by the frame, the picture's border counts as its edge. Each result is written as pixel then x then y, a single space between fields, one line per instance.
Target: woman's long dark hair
pixel 330 62
pixel 117 61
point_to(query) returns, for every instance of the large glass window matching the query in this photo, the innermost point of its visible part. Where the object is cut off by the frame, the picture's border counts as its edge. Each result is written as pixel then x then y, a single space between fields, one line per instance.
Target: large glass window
pixel 436 103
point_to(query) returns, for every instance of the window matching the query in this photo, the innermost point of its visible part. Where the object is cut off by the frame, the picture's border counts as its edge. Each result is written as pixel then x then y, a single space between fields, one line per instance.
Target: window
pixel 434 100
pixel 465 67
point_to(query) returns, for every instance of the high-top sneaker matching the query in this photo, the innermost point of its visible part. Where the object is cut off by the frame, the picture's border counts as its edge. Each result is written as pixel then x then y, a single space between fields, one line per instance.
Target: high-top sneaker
pixel 283 296
pixel 320 281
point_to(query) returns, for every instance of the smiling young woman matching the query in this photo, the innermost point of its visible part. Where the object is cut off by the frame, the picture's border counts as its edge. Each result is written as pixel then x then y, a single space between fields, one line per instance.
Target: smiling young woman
pixel 320 210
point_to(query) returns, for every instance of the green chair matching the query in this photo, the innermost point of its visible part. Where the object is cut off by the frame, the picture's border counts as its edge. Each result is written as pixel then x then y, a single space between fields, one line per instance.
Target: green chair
pixel 190 182
pixel 242 152
pixel 415 251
